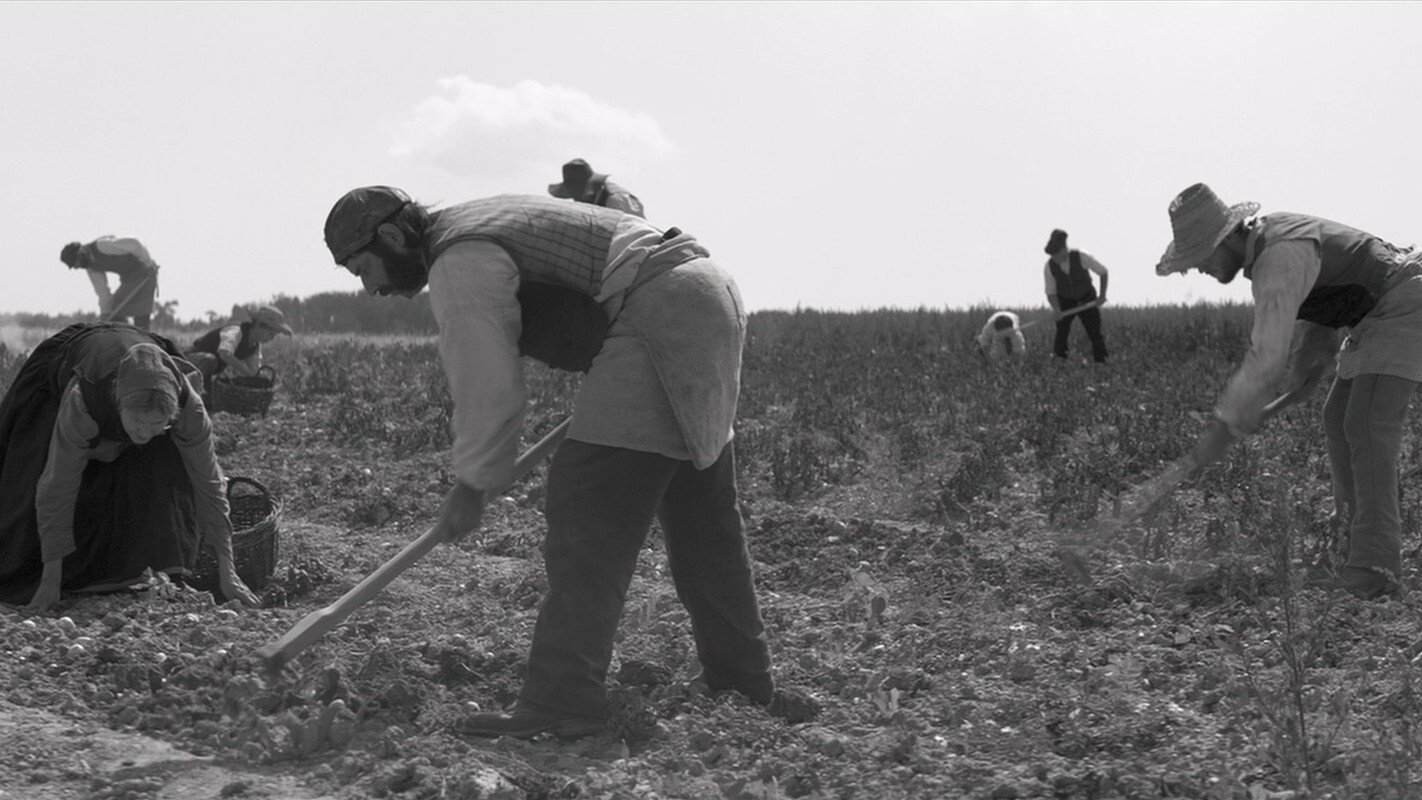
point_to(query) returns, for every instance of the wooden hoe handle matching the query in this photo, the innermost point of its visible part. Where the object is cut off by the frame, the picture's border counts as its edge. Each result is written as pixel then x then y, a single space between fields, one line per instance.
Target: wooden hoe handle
pixel 320 622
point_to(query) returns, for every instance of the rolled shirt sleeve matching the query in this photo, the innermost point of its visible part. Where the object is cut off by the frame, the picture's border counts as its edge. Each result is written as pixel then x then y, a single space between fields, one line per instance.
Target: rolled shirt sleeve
pixel 1284 273
pixel 474 297
pixel 1089 261
pixel 100 281
pixel 227 340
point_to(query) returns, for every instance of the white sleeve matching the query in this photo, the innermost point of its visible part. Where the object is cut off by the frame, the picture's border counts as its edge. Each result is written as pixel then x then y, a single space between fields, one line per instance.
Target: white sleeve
pixel 1283 275
pixel 474 297
pixel 227 340
pixel 100 280
pixel 1090 262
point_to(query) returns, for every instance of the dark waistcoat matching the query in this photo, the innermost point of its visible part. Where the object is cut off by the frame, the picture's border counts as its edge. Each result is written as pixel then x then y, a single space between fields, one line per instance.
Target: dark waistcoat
pixel 1355 266
pixel 1073 284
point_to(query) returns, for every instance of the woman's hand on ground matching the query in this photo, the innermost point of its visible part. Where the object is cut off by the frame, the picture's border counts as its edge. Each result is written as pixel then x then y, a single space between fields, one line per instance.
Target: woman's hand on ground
pixel 234 589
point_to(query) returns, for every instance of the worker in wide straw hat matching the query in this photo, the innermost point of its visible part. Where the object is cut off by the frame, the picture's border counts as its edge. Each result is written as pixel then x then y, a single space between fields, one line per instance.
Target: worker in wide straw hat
pixel 107 469
pixel 582 184
pixel 658 327
pixel 235 347
pixel 1337 282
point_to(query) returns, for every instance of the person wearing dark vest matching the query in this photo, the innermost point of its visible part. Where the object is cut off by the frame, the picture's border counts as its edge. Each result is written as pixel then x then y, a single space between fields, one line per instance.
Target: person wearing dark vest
pixel 658 327
pixel 1068 277
pixel 583 185
pixel 137 272
pixel 107 469
pixel 237 345
pixel 1320 281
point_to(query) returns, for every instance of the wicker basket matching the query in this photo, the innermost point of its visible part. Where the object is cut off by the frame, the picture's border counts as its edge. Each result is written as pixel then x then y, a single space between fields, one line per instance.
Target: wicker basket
pixel 255 515
pixel 243 395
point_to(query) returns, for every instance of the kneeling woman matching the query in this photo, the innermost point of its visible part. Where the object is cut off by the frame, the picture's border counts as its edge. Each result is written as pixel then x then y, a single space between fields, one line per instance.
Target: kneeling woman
pixel 107 469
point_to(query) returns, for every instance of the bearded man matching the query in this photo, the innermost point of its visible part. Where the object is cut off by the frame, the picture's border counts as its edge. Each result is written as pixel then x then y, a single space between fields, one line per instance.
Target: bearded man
pixel 658 327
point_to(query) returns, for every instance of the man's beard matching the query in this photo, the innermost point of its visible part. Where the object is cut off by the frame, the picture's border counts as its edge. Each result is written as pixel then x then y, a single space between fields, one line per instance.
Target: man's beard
pixel 406 272
pixel 1231 273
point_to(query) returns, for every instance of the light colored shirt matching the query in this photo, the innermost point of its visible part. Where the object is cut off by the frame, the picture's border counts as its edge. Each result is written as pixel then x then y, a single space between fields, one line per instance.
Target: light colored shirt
pixel 1283 275
pixel 115 246
pixel 473 295
pixel 990 339
pixel 69 452
pixel 1087 261
pixel 125 246
pixel 622 200
pixel 228 338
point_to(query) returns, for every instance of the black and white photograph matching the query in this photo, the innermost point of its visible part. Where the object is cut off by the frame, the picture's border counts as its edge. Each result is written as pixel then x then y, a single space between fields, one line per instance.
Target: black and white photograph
pixel 665 400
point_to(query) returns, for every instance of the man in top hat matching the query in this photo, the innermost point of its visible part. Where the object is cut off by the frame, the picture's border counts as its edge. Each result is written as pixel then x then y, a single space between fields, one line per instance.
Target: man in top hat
pixel 1335 280
pixel 658 327
pixel 127 258
pixel 1068 276
pixel 583 185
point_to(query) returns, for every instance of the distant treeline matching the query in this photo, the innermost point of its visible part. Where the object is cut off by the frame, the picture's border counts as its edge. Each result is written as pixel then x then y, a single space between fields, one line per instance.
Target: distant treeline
pixel 356 312
pixel 330 312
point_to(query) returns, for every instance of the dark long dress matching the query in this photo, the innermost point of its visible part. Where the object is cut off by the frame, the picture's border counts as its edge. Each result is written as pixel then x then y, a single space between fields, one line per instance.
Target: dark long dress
pixel 133 513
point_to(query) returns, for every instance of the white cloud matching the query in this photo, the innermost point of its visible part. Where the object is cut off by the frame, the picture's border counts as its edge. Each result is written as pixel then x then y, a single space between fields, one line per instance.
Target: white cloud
pixel 477 130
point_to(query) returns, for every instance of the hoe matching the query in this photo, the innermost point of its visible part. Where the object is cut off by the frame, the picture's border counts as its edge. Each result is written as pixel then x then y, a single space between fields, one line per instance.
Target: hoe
pixel 318 623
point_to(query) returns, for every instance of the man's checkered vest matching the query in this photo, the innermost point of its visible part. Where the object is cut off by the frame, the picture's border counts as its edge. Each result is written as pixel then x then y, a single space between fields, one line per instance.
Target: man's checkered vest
pixel 550 241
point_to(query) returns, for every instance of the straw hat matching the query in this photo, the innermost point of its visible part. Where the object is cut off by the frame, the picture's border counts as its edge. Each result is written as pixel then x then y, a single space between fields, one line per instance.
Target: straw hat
pixel 577 175
pixel 1200 221
pixel 271 317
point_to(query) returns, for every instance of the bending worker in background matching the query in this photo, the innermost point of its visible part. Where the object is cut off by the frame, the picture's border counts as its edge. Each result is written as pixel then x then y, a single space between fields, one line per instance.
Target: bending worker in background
pixel 137 272
pixel 236 346
pixel 583 185
pixel 1331 278
pixel 1001 337
pixel 659 329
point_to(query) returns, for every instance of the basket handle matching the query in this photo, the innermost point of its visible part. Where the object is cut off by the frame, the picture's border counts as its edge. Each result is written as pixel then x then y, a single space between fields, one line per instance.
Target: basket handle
pixel 236 479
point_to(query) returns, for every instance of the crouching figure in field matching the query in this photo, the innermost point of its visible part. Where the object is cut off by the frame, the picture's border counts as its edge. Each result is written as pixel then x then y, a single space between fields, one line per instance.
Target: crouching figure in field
pixel 107 469
pixel 658 327
pixel 1001 337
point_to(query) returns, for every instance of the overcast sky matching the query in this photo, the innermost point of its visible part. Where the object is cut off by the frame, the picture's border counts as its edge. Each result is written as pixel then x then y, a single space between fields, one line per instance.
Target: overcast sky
pixel 831 155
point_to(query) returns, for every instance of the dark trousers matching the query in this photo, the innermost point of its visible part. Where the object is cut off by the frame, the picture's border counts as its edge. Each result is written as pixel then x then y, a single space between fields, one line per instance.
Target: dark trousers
pixel 1363 419
pixel 1090 320
pixel 600 506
